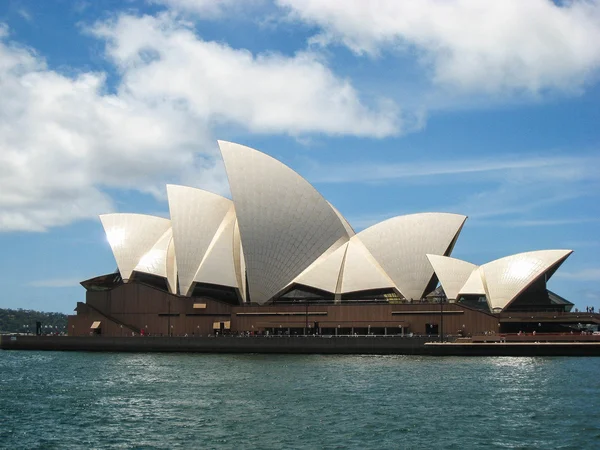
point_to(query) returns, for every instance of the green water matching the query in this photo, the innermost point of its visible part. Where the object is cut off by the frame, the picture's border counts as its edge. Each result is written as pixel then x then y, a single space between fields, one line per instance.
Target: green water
pixel 110 400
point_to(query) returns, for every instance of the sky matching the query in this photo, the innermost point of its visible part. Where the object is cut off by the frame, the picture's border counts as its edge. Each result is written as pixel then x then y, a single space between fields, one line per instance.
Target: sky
pixel 388 107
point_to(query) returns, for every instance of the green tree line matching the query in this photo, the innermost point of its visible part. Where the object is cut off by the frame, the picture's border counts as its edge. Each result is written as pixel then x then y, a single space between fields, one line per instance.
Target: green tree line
pixel 23 321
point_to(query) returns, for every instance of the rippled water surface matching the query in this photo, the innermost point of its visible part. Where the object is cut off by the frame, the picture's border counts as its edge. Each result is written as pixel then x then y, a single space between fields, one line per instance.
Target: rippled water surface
pixel 89 400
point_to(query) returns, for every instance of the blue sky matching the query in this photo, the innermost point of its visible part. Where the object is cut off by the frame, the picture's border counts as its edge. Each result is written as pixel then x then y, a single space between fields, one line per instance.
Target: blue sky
pixel 387 107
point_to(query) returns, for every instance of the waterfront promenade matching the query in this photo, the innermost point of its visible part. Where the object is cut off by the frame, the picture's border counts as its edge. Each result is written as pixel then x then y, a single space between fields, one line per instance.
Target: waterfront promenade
pixel 383 345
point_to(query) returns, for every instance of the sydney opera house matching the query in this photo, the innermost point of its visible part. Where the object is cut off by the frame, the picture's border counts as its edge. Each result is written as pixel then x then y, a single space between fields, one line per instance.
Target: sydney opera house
pixel 277 258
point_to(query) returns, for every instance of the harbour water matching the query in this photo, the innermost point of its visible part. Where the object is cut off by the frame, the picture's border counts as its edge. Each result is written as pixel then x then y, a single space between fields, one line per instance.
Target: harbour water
pixel 115 400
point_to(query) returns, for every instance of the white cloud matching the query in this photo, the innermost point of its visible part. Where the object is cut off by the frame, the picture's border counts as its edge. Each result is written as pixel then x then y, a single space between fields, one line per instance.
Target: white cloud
pixel 64 139
pixel 470 45
pixel 160 59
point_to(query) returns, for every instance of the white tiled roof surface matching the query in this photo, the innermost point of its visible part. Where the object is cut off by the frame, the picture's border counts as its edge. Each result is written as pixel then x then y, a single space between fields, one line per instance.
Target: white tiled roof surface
pixel 155 261
pixel 324 272
pixel 506 278
pixel 452 273
pixel 401 244
pixel 285 224
pixel 217 267
pixel 131 236
pixel 474 284
pixel 195 217
pixel 238 260
pixel 361 272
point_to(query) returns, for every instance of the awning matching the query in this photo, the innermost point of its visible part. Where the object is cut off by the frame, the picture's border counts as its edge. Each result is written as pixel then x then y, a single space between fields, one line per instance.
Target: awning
pixel 96 325
pixel 227 325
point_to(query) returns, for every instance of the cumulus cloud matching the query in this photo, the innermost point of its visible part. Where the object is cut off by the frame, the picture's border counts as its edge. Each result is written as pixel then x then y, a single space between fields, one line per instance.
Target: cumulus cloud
pixel 492 47
pixel 65 139
pixel 267 93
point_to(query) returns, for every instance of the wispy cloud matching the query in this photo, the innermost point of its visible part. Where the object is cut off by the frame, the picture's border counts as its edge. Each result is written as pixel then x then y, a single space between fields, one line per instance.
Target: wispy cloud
pixel 562 167
pixel 57 282
pixel 25 14
pixel 519 192
pixel 582 244
pixel 588 274
pixel 516 223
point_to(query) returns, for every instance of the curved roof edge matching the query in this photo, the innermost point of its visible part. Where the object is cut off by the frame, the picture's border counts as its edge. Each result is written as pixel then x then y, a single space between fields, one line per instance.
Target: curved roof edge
pixel 400 245
pixel 506 278
pixel 131 236
pixel 196 215
pixel 452 273
pixel 278 211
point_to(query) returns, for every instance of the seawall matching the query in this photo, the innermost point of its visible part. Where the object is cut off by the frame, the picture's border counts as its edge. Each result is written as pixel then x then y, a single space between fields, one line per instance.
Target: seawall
pixel 376 345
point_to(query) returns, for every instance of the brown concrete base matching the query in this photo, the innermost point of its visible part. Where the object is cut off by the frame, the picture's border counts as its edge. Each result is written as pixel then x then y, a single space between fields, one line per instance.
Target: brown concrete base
pixel 274 344
pixel 298 345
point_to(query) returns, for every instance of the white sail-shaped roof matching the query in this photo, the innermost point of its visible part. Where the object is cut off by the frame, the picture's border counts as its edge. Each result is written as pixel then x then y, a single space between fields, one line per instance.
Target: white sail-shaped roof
pixel 324 272
pixel 452 273
pixel 506 278
pixel 285 224
pixel 172 267
pixel 131 236
pixel 238 261
pixel 155 261
pixel 474 284
pixel 400 246
pixel 195 217
pixel 361 272
pixel 218 267
pixel 346 224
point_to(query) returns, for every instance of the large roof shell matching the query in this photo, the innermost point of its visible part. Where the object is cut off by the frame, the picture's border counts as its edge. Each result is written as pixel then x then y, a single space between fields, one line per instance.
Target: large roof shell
pixel 506 278
pixel 196 215
pixel 452 273
pixel 285 224
pixel 131 236
pixel 400 246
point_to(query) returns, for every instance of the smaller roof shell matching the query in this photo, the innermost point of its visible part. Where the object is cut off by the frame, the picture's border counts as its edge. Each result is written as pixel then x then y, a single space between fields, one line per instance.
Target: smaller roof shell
pixel 131 236
pixel 451 272
pixel 196 215
pixel 474 284
pixel 155 261
pixel 506 278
